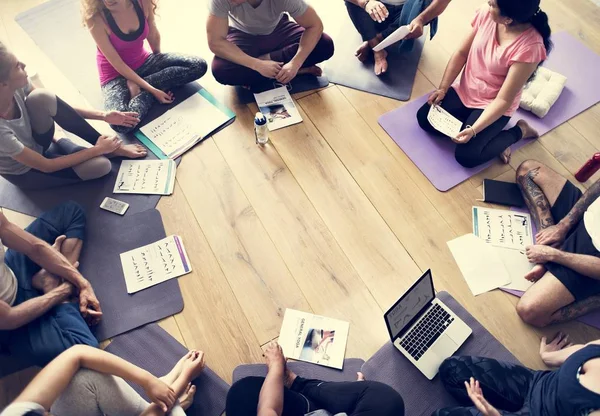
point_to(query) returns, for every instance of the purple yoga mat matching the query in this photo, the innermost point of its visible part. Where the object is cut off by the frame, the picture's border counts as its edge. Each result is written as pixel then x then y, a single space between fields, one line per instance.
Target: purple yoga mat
pixel 107 236
pixel 306 370
pixel 154 350
pixel 421 396
pixel 435 156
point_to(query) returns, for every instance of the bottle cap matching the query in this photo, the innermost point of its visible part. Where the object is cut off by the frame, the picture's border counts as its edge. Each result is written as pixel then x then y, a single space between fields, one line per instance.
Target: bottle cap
pixel 260 119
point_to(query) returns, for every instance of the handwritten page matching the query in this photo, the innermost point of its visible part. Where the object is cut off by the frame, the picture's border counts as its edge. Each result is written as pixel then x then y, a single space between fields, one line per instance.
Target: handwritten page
pixel 508 229
pixel 155 177
pixel 155 263
pixel 479 264
pixel 184 125
pixel 443 121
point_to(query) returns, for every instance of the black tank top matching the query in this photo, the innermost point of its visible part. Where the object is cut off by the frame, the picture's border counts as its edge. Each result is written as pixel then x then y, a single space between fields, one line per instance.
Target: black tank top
pixel 127 37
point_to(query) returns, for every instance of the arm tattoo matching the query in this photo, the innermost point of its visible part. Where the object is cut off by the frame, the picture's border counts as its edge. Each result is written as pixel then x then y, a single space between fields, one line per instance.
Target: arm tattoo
pixel 576 213
pixel 575 310
pixel 535 199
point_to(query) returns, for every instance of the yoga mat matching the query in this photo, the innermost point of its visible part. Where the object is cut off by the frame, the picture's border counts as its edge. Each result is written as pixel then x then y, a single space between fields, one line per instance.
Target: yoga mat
pixel 434 156
pixel 154 350
pixel 107 236
pixel 344 69
pixel 306 370
pixel 301 83
pixel 421 396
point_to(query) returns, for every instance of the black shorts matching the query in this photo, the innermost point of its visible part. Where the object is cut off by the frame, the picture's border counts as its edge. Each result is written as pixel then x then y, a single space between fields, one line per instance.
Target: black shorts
pixel 578 241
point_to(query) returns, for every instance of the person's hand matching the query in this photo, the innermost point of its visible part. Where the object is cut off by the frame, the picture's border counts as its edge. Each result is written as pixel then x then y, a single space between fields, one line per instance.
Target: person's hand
pixel 415 29
pixel 64 291
pixel 160 393
pixel 119 118
pixel 193 364
pixel 268 69
pixel 89 306
pixel 539 254
pixel 476 396
pixel 163 97
pixel 560 341
pixel 287 73
pixel 377 10
pixel 436 97
pixel 552 236
pixel 274 356
pixel 464 136
pixel 106 145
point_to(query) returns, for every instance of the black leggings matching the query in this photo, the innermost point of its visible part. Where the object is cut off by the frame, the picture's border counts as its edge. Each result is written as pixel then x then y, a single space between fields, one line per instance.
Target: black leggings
pixel 356 398
pixel 504 385
pixel 487 145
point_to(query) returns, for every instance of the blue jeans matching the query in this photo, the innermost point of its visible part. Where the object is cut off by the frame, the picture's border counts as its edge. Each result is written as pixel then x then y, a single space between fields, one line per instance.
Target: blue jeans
pixel 369 28
pixel 40 341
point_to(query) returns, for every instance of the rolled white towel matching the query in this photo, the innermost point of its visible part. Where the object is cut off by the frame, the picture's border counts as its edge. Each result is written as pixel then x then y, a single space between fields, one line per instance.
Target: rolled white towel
pixel 540 94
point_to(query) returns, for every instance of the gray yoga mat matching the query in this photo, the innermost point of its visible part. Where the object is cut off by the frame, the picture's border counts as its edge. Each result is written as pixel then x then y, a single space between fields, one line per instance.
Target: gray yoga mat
pixel 344 69
pixel 306 370
pixel 153 349
pixel 108 235
pixel 301 83
pixel 421 396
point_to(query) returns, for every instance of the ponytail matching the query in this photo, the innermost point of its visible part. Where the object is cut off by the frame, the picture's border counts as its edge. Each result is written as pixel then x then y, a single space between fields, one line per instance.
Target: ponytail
pixel 540 22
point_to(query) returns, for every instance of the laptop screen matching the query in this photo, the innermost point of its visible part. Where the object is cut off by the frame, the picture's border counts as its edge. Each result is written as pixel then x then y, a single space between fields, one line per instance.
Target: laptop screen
pixel 404 312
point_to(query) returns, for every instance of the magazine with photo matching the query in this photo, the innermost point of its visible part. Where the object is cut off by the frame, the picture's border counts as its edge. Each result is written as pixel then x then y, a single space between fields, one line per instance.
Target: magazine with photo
pixel 278 108
pixel 313 338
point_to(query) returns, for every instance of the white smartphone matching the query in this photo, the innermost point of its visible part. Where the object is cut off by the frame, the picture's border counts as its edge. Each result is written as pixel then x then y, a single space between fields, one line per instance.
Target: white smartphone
pixel 114 205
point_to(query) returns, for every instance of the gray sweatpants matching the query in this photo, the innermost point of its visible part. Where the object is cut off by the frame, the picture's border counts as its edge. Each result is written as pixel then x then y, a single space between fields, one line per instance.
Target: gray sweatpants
pixel 95 394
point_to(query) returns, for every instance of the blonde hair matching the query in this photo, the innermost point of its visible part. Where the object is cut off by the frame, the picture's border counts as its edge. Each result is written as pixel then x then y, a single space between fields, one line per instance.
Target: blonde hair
pixel 92 8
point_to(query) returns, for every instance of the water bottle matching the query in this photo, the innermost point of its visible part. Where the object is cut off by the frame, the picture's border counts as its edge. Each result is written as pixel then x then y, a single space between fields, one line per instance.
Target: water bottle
pixel 590 167
pixel 261 131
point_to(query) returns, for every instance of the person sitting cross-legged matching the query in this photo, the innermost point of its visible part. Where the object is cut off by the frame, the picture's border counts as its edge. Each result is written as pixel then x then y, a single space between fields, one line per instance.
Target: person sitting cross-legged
pixel 567 247
pixel 260 42
pixel 38 319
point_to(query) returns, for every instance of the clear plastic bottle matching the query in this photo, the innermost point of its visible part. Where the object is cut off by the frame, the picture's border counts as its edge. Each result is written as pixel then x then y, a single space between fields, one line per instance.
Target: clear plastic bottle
pixel 261 131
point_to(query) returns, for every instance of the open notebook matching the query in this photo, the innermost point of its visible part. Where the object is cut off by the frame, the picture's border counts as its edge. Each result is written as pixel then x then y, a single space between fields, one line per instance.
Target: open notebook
pixel 188 123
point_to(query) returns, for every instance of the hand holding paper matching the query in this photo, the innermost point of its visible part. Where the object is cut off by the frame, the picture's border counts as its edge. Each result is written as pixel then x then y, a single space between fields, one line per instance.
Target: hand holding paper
pixel 396 36
pixel 444 122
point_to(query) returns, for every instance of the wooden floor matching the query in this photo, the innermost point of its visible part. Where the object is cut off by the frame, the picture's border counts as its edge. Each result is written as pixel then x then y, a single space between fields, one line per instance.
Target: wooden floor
pixel 331 217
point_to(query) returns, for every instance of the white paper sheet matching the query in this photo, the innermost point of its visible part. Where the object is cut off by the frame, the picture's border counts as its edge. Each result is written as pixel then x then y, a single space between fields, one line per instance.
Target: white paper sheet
pixel 517 266
pixel 278 107
pixel 479 264
pixel 503 228
pixel 155 263
pixel 443 121
pixel 184 125
pixel 154 177
pixel 396 36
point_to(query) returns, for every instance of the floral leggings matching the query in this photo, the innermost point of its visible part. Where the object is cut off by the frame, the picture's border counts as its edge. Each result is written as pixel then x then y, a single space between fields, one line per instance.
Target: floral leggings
pixel 161 70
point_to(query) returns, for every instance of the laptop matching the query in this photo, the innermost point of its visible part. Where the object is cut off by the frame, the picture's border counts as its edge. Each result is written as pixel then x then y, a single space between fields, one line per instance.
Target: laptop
pixel 423 328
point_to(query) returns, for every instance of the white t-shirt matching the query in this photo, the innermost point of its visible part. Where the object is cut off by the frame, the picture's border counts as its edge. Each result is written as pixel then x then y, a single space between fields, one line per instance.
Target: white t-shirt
pixel 261 20
pixel 22 408
pixel 591 220
pixel 8 281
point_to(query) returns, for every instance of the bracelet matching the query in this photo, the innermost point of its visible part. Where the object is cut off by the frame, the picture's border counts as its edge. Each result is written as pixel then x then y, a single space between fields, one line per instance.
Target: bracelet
pixel 365 6
pixel 472 129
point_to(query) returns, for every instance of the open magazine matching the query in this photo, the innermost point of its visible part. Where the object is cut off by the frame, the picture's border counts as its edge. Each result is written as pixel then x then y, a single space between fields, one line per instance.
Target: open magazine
pixel 278 108
pixel 313 338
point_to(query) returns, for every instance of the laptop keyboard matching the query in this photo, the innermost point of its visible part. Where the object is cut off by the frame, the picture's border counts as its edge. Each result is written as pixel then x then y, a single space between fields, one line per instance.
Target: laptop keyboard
pixel 426 332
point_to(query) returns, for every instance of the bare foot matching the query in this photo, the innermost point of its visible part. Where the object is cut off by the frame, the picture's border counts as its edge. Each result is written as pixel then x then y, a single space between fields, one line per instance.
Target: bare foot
pixel 506 155
pixel 134 89
pixel 131 151
pixel 528 131
pixel 381 64
pixel 311 70
pixel 289 377
pixel 187 398
pixel 193 365
pixel 172 375
pixel 536 273
pixel 363 52
pixel 360 376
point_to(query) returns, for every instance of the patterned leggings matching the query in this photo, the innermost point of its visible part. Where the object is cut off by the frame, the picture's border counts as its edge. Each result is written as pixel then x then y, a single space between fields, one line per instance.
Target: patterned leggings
pixel 161 70
pixel 505 386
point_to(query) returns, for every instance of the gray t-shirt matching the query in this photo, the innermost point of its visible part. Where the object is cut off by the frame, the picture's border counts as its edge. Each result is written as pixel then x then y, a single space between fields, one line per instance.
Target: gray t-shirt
pixel 15 135
pixel 261 20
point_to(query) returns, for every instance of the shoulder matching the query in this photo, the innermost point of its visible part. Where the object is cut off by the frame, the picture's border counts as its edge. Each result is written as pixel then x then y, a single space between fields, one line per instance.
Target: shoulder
pixel 219 8
pixel 148 6
pixel 530 49
pixel 482 16
pixel 295 8
pixel 96 24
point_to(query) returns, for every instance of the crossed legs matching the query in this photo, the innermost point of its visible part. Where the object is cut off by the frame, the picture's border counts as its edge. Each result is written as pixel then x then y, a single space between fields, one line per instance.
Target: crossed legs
pixel 548 301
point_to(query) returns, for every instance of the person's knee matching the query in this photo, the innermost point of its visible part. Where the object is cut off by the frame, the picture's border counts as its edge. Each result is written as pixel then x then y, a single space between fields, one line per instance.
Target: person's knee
pixel 527 166
pixel 122 129
pixel 531 313
pixel 449 371
pixel 219 70
pixel 199 67
pixel 325 47
pixel 94 168
pixel 466 158
pixel 41 101
pixel 242 397
pixel 73 211
pixel 422 117
pixel 389 401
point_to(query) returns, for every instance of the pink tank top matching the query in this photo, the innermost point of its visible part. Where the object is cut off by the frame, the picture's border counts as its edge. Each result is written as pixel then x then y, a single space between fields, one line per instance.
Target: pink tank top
pixel 129 46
